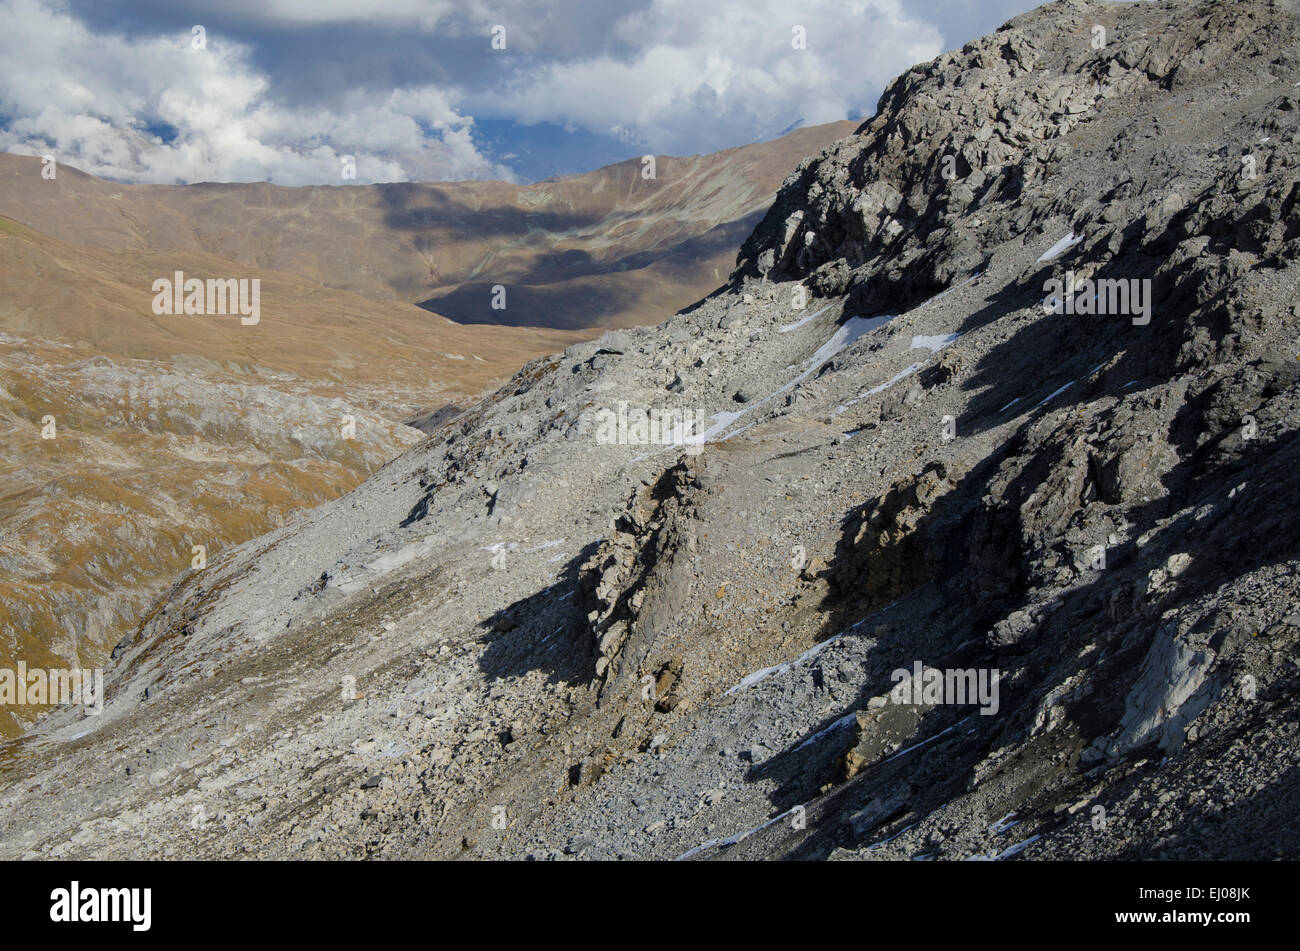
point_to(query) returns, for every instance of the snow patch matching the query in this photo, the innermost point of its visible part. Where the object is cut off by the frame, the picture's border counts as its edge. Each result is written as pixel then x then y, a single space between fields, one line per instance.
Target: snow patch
pixel 738 837
pixel 545 545
pixel 837 725
pixel 777 669
pixel 1005 823
pixel 799 323
pixel 1056 250
pixel 933 344
pixel 893 379
pixel 845 336
pixel 917 746
pixel 1007 852
pixel 1053 394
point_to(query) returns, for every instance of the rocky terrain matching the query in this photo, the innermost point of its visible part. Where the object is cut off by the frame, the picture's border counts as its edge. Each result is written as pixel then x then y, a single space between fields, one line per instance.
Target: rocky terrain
pixel 200 430
pixel 525 639
pixel 130 438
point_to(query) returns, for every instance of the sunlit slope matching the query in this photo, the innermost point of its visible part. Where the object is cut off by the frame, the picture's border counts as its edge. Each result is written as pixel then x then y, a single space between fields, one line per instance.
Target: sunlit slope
pixel 612 247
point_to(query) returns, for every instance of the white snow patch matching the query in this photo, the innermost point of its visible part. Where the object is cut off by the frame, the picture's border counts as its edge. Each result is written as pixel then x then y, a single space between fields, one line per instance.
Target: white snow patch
pixel 766 672
pixel 1005 823
pixel 845 335
pixel 893 379
pixel 1009 405
pixel 903 374
pixel 917 746
pixel 738 837
pixel 723 420
pixel 1007 852
pixel 737 432
pixel 1018 847
pixel 545 545
pixel 875 845
pixel 837 725
pixel 933 344
pixel 799 323
pixel 1056 250
pixel 1054 394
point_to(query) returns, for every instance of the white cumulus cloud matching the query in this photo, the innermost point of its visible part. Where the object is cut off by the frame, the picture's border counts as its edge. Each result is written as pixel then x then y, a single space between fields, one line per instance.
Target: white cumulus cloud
pixel 287 88
pixel 155 109
pixel 709 75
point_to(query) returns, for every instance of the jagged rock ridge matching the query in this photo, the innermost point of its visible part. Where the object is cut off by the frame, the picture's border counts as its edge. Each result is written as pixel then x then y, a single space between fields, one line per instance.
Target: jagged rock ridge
pixel 555 647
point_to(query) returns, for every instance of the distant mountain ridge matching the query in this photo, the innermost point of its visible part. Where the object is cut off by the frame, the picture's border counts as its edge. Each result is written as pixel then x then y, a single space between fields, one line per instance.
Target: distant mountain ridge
pixel 604 248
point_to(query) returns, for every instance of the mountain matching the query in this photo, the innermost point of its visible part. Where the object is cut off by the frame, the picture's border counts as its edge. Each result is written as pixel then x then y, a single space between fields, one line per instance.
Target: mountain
pixel 178 431
pixel 181 431
pixel 609 248
pixel 168 432
pixel 976 555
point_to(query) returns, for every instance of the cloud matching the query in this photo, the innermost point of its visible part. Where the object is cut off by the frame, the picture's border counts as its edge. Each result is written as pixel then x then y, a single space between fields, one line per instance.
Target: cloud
pixel 704 76
pixel 961 21
pixel 413 90
pixel 155 109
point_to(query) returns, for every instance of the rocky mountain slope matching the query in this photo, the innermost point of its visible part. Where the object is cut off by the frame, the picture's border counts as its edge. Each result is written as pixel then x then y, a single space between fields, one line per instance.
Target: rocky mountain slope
pixel 201 430
pixel 609 248
pixel 923 450
pixel 132 437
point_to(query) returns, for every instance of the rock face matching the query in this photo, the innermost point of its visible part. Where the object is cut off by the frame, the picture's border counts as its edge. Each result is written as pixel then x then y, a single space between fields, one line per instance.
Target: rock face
pixel 888 552
pixel 628 584
pixel 941 173
pixel 544 643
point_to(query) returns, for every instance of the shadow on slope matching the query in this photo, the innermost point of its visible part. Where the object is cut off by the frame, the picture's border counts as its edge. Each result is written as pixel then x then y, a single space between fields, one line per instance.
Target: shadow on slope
pixel 546 631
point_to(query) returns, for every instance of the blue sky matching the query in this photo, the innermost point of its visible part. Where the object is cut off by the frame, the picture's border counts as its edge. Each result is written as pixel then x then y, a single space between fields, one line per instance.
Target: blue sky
pixel 412 90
